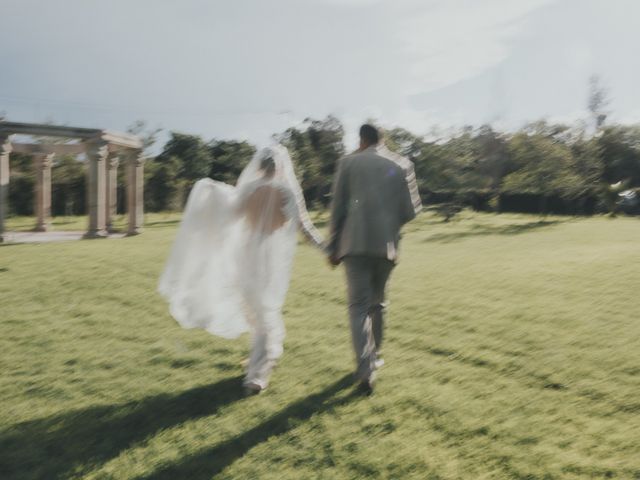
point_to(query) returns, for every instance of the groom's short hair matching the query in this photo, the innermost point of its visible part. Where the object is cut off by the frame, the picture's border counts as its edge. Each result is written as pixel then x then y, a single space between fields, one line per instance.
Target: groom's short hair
pixel 369 134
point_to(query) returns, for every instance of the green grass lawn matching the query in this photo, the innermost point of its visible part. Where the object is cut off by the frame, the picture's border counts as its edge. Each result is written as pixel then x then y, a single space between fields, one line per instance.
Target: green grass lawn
pixel 513 351
pixel 26 224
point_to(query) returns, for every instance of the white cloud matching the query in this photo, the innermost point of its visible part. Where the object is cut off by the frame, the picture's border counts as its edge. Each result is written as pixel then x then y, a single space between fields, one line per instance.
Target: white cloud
pixel 225 69
pixel 458 39
pixel 350 3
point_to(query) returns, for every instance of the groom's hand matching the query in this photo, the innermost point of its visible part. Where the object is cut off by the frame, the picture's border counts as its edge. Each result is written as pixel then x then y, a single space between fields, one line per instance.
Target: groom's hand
pixel 334 261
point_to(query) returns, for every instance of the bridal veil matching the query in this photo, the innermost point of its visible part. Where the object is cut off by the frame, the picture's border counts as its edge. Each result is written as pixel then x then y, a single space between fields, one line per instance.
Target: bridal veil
pixel 232 256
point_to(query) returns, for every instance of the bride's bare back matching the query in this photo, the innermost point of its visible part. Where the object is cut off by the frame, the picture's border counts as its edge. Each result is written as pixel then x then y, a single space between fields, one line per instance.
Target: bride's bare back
pixel 264 209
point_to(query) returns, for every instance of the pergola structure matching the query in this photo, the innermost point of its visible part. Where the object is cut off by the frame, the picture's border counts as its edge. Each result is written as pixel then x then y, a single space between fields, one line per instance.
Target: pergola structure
pixel 104 151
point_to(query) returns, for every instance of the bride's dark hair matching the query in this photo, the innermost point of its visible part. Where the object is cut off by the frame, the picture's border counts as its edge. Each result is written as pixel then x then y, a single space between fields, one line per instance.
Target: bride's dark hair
pixel 268 166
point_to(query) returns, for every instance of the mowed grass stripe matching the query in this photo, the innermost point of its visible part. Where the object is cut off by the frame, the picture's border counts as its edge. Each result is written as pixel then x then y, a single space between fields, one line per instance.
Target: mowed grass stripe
pixel 512 352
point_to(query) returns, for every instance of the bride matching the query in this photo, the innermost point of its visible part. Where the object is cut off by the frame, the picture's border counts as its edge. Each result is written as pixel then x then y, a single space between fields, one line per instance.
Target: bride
pixel 228 271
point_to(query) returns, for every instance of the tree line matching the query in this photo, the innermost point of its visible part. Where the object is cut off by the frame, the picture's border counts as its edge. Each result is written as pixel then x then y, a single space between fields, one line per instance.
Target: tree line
pixel 543 167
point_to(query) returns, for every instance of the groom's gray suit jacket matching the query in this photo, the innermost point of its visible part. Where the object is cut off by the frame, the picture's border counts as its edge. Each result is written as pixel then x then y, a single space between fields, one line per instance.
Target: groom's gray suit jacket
pixel 371 202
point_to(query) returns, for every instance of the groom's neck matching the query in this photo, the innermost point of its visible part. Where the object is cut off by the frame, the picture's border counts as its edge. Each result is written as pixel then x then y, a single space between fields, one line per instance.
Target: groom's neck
pixel 365 145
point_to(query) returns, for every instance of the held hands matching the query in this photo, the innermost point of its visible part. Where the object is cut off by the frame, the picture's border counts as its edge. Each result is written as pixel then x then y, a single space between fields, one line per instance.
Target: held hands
pixel 332 257
pixel 334 261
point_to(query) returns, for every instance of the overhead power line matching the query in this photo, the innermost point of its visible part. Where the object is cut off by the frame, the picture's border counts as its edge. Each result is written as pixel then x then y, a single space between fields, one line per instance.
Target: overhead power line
pixel 137 109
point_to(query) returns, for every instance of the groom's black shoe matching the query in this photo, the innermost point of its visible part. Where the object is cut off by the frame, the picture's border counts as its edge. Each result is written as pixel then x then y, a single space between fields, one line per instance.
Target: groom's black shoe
pixel 365 387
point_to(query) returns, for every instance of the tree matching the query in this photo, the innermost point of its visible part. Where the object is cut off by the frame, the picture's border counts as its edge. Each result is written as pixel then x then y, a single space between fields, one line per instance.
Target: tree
pixel 21 184
pixel 229 157
pixel 194 156
pixel 619 147
pixel 598 101
pixel 490 159
pixel 148 135
pixel 163 187
pixel 68 186
pixel 185 158
pixel 544 166
pixel 315 148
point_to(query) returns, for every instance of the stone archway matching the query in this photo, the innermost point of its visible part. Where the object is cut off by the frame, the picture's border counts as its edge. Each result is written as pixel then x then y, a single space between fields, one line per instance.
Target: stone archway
pixel 105 151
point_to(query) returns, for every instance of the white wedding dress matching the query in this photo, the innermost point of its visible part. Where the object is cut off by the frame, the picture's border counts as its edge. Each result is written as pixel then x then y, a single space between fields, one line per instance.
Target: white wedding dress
pixel 229 268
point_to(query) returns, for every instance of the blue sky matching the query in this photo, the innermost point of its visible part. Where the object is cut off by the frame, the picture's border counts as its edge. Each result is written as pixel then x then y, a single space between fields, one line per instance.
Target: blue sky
pixel 249 68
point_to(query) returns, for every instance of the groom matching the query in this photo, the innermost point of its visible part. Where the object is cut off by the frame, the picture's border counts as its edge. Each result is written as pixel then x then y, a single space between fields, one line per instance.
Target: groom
pixel 372 200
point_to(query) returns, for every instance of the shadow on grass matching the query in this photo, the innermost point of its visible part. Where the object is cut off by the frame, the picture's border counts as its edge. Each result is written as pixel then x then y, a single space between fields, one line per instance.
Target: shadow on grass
pixel 320 224
pixel 76 442
pixel 57 223
pixel 12 244
pixel 162 223
pixel 482 230
pixel 211 461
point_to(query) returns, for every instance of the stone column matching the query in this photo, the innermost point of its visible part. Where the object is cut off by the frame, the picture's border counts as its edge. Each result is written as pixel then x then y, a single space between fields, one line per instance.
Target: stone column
pixel 42 163
pixel 96 188
pixel 135 186
pixel 112 190
pixel 5 150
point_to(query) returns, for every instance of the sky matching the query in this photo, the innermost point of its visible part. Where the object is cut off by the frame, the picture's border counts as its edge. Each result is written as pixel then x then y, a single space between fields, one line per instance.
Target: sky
pixel 245 69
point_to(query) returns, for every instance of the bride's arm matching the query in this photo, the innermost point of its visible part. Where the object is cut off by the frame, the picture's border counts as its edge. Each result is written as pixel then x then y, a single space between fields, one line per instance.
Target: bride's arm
pixel 307 227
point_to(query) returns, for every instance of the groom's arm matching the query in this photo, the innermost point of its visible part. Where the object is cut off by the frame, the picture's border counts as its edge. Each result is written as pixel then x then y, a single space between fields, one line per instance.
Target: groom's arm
pixel 338 210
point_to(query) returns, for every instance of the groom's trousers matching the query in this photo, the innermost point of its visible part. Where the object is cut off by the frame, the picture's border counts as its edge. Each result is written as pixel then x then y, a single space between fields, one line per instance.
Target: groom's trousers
pixel 366 280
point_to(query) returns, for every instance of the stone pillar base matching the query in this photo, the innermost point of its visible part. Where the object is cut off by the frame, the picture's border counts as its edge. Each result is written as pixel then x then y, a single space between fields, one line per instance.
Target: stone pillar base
pixel 98 234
